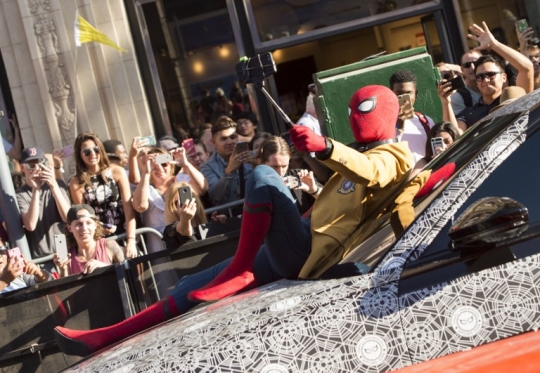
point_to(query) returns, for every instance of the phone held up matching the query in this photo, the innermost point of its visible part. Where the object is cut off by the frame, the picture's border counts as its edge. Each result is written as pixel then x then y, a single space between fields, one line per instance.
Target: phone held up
pixel 60 246
pixel 292 181
pixel 184 194
pixel 406 104
pixel 457 81
pixel 189 146
pixel 437 145
pixel 14 253
pixel 67 151
pixel 163 158
pixel 241 146
pixel 522 25
pixel 148 140
pixel 255 69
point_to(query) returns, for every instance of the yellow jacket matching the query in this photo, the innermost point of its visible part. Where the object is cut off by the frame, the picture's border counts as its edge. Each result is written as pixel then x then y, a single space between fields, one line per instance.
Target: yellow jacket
pixel 359 189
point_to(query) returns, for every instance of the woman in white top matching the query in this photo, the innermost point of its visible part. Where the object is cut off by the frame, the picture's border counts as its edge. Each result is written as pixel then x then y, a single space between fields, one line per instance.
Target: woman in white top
pixel 155 180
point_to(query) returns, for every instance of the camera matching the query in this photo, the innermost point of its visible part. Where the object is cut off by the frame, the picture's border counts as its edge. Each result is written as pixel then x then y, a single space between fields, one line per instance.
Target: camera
pixel 255 69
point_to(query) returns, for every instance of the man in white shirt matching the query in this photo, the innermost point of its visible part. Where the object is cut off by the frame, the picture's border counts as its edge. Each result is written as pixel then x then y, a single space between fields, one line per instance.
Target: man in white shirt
pixel 412 127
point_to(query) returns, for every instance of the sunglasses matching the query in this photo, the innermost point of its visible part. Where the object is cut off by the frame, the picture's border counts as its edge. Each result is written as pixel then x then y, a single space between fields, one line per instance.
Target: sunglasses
pixel 86 152
pixel 467 65
pixel 490 75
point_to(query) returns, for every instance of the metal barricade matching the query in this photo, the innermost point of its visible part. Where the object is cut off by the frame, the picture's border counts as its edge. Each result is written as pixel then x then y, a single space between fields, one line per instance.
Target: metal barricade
pixel 140 238
pixel 226 206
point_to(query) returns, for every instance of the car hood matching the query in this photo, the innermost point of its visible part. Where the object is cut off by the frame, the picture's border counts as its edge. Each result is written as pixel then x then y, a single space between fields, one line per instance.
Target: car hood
pixel 237 332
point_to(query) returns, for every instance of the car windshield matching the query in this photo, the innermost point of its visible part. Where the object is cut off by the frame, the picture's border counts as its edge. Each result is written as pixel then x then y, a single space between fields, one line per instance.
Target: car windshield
pixel 416 195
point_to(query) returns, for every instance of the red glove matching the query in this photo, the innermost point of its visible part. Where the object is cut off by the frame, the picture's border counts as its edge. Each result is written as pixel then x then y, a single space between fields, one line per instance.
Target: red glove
pixel 306 140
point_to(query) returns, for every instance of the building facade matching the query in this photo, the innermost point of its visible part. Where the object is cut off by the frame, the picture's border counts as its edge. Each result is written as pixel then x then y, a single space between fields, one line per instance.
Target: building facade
pixel 180 51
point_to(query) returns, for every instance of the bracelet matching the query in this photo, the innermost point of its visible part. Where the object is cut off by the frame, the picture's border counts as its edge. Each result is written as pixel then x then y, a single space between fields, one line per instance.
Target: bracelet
pixel 130 238
pixel 57 168
pixel 315 192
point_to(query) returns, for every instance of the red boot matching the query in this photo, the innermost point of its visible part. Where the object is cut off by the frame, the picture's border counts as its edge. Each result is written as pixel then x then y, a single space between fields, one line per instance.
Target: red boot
pixel 238 275
pixel 86 342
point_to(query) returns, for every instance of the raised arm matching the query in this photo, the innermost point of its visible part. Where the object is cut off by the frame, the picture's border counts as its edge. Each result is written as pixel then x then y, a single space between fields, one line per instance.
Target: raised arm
pixel 196 178
pixel 525 77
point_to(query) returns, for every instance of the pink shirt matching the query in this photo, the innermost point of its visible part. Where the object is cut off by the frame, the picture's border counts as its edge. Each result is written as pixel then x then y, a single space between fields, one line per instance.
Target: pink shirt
pixel 76 265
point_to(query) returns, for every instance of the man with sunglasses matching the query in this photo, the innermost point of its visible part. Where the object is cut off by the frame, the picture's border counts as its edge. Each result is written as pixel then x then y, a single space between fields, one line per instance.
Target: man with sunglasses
pixel 469 95
pixel 43 202
pixel 490 78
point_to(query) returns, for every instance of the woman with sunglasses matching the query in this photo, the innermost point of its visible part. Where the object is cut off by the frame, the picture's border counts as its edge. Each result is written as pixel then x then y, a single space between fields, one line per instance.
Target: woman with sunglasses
pixel 157 175
pixel 105 187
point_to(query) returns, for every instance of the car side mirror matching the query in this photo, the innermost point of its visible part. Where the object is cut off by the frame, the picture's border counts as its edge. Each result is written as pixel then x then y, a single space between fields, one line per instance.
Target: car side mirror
pixel 488 221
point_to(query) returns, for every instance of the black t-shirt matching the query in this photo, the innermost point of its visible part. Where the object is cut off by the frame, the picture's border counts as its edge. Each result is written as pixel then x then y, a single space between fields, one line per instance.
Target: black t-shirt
pixel 471 115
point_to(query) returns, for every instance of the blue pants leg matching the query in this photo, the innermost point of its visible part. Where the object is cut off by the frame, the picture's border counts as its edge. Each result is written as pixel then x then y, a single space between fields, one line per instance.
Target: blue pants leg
pixel 286 247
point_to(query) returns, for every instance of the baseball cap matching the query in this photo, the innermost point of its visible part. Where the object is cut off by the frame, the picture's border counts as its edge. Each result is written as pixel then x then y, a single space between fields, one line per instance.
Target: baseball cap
pixel 73 212
pixel 168 143
pixel 31 154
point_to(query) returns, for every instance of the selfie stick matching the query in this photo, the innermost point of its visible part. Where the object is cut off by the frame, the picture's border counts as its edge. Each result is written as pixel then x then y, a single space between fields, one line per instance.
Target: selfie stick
pixel 285 117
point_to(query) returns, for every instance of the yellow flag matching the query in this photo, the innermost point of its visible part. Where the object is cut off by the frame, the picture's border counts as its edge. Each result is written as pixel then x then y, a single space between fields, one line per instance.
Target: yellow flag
pixel 85 32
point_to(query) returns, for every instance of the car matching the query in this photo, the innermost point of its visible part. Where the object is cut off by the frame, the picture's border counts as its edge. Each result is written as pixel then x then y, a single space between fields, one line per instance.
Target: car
pixel 465 272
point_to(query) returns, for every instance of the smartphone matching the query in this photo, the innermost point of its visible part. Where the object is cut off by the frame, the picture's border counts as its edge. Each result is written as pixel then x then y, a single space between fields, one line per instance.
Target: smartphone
pixel 522 25
pixel 241 146
pixel 67 151
pixel 163 158
pixel 43 163
pixel 292 181
pixel 14 253
pixel 184 194
pixel 287 137
pixel 189 145
pixel 255 69
pixel 148 140
pixel 457 82
pixel 60 246
pixel 437 145
pixel 405 102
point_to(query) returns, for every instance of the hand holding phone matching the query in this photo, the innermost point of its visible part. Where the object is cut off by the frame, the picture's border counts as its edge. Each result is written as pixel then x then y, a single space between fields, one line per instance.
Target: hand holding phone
pixel 241 146
pixel 437 145
pixel 405 105
pixel 184 194
pixel 189 145
pixel 292 181
pixel 163 158
pixel 14 253
pixel 60 247
pixel 522 25
pixel 147 141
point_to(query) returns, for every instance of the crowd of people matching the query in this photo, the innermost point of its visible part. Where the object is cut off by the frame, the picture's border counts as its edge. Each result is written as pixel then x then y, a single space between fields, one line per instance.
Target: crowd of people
pixel 293 223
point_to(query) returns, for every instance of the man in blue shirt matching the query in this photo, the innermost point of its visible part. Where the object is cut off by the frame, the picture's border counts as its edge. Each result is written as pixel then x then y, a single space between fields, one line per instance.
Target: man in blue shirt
pixel 226 170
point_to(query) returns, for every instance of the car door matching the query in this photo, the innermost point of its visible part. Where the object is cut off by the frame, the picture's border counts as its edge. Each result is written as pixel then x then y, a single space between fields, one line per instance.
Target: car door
pixel 454 298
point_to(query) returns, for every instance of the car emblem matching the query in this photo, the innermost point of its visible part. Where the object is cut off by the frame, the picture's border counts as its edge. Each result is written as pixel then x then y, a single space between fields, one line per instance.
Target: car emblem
pixel 467 321
pixel 371 350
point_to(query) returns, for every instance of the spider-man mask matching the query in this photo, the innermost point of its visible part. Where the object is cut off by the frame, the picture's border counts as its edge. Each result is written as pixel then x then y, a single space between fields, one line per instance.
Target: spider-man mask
pixel 373 113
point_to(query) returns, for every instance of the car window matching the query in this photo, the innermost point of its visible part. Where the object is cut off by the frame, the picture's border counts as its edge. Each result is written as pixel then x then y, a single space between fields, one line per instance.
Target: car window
pixel 457 156
pixel 517 178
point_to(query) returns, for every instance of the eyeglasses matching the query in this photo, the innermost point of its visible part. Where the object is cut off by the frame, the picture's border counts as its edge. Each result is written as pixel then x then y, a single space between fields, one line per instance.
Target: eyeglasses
pixel 32 166
pixel 86 152
pixel 467 65
pixel 490 75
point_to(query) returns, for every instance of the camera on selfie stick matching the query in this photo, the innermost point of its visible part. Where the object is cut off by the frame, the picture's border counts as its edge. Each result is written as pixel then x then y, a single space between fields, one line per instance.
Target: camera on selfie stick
pixel 254 70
